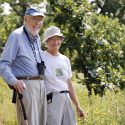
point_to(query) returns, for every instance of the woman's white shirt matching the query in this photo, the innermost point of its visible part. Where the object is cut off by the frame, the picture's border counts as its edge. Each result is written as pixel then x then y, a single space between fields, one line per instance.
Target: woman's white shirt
pixel 57 72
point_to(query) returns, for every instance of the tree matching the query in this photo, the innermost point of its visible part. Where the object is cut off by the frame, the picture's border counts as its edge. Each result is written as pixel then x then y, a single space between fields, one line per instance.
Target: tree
pixel 112 8
pixel 94 43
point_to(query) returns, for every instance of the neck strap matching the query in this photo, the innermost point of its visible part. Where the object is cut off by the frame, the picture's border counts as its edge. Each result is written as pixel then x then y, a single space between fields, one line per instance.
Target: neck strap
pixel 32 45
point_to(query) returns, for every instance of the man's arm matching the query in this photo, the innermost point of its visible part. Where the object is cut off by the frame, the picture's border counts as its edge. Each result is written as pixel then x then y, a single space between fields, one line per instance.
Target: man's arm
pixel 8 56
pixel 74 98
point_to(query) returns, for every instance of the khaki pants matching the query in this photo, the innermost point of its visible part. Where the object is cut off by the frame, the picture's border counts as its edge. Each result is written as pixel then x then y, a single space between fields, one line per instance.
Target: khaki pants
pixel 34 99
pixel 59 110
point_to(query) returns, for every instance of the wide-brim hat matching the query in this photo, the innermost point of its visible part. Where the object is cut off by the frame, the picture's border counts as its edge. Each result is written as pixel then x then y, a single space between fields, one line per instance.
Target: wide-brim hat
pixel 52 31
pixel 34 12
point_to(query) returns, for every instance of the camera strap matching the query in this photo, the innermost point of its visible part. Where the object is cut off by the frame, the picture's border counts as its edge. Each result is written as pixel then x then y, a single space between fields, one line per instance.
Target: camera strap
pixel 32 46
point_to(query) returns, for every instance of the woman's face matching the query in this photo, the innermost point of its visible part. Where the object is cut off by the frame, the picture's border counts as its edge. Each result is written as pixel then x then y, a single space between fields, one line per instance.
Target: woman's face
pixel 54 43
pixel 33 23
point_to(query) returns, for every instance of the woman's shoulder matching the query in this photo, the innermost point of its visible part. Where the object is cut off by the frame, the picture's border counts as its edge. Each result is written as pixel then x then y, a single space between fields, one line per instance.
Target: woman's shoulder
pixel 64 56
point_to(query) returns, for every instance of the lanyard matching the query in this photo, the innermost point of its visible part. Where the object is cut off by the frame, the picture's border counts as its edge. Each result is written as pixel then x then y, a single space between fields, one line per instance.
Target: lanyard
pixel 32 46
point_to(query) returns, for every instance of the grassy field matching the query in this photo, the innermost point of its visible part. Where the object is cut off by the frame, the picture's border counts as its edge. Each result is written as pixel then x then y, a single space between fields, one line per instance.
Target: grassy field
pixel 7 109
pixel 108 110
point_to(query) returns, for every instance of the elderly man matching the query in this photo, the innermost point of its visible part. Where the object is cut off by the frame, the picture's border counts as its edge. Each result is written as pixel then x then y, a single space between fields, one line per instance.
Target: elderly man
pixel 20 67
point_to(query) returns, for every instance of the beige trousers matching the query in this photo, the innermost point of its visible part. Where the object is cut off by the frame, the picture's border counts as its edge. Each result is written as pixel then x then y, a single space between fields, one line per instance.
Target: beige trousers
pixel 60 111
pixel 34 99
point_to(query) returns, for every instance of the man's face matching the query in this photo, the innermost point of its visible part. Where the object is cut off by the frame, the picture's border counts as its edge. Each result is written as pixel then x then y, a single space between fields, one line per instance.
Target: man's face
pixel 33 23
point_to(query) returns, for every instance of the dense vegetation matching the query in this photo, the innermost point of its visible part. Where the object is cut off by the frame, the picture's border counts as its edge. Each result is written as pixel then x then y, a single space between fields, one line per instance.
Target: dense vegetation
pixel 94 43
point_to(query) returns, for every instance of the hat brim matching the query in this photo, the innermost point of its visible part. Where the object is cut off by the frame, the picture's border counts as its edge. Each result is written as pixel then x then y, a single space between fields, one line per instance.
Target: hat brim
pixel 50 36
pixel 37 14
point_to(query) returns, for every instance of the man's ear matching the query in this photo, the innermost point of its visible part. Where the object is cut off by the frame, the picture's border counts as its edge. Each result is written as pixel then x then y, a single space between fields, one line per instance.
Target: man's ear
pixel 26 18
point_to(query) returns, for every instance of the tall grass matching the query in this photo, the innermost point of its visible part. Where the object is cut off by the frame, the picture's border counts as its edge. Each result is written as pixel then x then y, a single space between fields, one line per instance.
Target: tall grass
pixel 7 109
pixel 108 110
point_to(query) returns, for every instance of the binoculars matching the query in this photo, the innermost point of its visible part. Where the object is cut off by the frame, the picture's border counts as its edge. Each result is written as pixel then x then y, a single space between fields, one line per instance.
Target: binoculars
pixel 41 68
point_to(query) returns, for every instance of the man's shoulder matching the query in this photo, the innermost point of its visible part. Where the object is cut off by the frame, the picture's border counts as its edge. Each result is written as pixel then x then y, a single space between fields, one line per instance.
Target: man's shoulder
pixel 18 31
pixel 16 35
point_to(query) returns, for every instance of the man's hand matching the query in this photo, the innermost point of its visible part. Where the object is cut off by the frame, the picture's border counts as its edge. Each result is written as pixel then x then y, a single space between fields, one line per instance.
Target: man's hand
pixel 19 85
pixel 80 112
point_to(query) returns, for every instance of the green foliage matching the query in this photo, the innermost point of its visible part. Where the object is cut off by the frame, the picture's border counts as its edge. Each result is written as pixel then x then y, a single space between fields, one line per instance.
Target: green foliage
pixel 108 110
pixel 7 111
pixel 7 25
pixel 94 43
pixel 112 8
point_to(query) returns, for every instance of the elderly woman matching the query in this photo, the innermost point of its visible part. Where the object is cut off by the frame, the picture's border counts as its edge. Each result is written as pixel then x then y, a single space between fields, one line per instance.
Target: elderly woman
pixel 58 81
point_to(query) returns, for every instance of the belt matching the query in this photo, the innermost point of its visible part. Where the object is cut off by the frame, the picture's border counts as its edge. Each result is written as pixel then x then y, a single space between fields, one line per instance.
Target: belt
pixel 64 91
pixel 30 78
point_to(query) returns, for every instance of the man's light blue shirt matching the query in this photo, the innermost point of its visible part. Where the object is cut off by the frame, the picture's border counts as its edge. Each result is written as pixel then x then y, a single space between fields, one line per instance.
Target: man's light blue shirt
pixel 17 58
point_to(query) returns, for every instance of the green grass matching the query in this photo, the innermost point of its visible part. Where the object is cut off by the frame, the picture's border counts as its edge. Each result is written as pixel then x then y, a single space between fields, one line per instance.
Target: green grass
pixel 108 110
pixel 7 109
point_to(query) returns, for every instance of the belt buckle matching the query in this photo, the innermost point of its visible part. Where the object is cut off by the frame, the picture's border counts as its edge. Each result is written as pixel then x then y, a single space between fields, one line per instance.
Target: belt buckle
pixel 41 77
pixel 27 78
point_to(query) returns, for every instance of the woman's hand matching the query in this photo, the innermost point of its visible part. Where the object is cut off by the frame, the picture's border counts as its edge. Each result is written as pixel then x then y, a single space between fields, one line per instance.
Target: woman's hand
pixel 80 112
